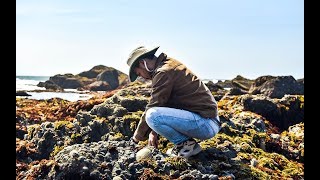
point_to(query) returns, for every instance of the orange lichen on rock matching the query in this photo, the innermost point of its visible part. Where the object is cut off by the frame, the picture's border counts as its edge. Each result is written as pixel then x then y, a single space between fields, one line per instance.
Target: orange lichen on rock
pixel 37 111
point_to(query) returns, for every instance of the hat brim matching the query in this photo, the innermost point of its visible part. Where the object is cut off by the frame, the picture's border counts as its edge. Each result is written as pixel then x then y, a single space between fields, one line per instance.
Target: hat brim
pixel 132 75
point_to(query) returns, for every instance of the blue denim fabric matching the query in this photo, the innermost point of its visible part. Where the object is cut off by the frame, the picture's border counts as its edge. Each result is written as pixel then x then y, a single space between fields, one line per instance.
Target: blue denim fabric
pixel 179 125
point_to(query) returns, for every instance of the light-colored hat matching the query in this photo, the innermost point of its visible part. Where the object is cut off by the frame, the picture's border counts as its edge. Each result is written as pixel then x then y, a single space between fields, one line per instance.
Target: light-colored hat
pixel 135 55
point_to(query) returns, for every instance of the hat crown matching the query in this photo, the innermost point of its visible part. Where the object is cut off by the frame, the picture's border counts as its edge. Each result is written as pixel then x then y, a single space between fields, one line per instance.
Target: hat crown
pixel 135 53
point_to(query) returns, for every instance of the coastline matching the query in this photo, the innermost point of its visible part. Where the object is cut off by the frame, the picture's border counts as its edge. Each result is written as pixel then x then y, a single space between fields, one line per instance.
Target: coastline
pixel 69 96
pixel 28 84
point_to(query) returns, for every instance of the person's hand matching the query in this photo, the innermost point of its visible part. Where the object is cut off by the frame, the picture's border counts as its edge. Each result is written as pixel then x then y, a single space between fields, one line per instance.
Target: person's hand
pixel 136 147
pixel 153 139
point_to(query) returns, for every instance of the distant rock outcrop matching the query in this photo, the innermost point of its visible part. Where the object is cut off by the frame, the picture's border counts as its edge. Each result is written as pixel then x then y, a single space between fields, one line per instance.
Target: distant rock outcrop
pixel 93 73
pixel 67 81
pixel 111 77
pixel 270 86
pixel 242 83
pixel 301 81
pixel 99 78
pixel 238 82
pixel 276 87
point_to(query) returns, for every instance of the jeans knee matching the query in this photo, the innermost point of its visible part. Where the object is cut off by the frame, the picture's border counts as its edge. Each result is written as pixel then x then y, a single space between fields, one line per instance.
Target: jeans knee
pixel 214 129
pixel 151 115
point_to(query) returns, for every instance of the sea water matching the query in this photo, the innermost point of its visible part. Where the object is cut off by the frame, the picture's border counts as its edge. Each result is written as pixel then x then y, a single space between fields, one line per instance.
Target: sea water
pixel 29 85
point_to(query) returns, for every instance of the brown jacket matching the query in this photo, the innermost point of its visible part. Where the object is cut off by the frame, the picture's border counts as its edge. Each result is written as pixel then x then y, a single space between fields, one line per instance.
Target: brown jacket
pixel 175 86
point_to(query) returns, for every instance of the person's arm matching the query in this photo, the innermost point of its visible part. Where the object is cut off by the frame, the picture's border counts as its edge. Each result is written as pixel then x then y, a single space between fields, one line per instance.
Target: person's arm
pixel 153 139
pixel 142 130
pixel 161 90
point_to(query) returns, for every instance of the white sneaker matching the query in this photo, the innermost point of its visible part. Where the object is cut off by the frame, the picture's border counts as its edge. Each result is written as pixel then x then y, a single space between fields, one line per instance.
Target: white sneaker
pixel 185 149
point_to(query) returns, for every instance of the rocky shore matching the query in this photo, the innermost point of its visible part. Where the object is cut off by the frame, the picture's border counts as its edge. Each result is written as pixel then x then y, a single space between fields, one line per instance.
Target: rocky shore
pixel 262 135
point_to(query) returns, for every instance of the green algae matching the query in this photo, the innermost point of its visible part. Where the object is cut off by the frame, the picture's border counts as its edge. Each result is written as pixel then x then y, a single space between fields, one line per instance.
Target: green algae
pixel 61 124
pixel 56 150
pixel 177 162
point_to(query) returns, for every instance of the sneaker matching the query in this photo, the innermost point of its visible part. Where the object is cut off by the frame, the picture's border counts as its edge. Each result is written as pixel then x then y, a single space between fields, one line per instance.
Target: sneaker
pixel 185 149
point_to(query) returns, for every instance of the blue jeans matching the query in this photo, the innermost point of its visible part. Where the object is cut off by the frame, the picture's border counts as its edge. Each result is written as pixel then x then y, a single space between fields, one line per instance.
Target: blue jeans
pixel 179 125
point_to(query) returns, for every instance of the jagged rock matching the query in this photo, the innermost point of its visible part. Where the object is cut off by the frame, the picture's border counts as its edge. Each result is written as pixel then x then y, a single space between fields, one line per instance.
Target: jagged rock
pixel 218 97
pixel 276 87
pixel 96 160
pixel 236 91
pixel 67 81
pixel 98 86
pixel 283 113
pixel 242 83
pixel 225 83
pixel 237 82
pixel 84 118
pixel 301 81
pixel 50 85
pixel 213 87
pixel 134 104
pixel 99 78
pixel 111 77
pixel 93 72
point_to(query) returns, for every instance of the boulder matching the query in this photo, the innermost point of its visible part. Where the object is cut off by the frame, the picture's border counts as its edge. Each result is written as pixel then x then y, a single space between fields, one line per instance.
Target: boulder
pixel 111 77
pixel 144 153
pixel 276 87
pixel 98 86
pixel 99 78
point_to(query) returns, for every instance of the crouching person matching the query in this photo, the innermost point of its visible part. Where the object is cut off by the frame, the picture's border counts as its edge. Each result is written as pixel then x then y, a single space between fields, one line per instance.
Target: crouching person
pixel 181 107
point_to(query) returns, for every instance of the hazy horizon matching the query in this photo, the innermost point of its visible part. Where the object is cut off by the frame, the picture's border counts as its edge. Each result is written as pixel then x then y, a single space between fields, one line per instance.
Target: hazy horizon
pixel 201 78
pixel 215 39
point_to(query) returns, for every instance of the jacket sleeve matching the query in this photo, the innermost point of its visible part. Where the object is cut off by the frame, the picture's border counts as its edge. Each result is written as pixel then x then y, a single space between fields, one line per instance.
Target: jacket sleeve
pixel 161 90
pixel 142 131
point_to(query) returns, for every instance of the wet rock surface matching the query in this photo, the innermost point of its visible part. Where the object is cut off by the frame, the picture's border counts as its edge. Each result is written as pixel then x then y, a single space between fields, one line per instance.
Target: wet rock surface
pixel 260 138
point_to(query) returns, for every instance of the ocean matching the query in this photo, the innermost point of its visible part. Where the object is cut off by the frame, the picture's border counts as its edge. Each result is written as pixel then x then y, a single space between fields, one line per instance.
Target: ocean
pixel 29 84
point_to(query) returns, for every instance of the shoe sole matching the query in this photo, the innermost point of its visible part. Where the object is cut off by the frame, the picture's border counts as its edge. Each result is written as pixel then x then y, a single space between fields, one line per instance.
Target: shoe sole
pixel 195 151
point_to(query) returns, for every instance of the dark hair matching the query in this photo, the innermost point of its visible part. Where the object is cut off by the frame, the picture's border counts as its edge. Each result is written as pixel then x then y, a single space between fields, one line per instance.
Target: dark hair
pixel 149 56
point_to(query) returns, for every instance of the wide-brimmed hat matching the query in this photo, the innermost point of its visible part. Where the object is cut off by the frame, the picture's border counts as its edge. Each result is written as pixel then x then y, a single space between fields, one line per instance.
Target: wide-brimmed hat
pixel 135 55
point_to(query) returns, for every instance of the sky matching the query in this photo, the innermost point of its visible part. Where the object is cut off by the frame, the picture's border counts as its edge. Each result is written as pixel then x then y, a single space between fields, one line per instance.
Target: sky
pixel 216 39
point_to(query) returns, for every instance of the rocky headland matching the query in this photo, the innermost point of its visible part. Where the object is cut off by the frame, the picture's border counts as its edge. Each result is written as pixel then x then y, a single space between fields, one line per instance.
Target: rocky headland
pixel 98 78
pixel 262 134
